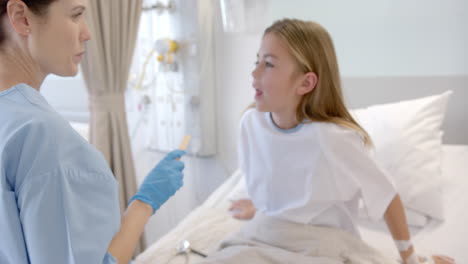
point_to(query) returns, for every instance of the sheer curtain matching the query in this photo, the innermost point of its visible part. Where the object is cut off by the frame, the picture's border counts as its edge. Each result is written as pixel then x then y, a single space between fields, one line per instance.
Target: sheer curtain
pixel 176 98
pixel 158 85
pixel 168 101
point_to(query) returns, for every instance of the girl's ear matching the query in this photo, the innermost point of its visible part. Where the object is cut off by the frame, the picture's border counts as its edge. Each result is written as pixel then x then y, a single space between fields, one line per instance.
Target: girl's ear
pixel 309 81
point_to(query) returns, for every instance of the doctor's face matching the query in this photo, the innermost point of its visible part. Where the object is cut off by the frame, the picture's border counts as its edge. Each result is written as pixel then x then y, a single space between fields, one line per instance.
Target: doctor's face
pixel 58 39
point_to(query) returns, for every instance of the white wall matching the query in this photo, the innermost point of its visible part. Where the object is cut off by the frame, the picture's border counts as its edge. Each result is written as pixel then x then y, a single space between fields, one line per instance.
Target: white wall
pixel 392 38
pixel 68 96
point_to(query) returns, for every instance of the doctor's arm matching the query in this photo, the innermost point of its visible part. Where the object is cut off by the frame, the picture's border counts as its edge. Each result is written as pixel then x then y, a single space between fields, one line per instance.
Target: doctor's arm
pixel 159 185
pixel 133 223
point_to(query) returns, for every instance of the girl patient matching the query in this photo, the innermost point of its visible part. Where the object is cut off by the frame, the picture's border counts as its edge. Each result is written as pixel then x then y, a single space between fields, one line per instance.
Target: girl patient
pixel 306 160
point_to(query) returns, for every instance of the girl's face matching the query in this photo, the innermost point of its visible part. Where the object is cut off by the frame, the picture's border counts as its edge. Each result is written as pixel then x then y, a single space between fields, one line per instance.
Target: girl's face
pixel 58 40
pixel 275 77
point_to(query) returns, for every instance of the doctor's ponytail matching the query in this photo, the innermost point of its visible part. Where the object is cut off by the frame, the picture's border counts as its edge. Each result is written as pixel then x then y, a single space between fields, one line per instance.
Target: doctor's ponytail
pixel 3 4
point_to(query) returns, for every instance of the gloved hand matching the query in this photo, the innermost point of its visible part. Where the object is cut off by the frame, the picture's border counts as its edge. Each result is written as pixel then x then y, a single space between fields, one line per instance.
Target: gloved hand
pixel 163 181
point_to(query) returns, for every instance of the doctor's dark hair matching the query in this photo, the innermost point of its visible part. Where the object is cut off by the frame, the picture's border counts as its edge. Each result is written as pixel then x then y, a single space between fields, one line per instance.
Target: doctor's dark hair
pixel 38 7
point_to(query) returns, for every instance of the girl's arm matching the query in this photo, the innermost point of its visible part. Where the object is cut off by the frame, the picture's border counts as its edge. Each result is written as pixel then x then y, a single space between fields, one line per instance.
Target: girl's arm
pixel 396 223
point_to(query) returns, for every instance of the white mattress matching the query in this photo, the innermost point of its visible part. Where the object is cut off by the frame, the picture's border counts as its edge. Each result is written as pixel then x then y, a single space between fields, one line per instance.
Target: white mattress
pixel 449 237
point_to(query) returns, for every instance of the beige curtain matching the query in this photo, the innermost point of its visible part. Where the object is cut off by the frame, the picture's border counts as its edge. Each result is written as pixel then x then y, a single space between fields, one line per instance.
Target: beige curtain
pixel 114 27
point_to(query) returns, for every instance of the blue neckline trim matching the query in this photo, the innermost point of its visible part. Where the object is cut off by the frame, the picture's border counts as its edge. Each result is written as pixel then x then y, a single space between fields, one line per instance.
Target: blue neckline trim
pixel 281 130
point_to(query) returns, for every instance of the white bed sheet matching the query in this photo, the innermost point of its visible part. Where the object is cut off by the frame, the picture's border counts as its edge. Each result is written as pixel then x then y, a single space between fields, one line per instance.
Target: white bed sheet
pixel 449 237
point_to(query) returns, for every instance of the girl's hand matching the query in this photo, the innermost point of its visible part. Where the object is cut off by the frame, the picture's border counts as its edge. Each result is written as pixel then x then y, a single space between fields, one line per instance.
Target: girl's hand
pixel 440 259
pixel 436 259
pixel 243 209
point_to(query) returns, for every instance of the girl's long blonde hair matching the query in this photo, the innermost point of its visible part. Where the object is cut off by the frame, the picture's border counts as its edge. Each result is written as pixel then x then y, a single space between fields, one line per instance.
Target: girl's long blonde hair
pixel 312 47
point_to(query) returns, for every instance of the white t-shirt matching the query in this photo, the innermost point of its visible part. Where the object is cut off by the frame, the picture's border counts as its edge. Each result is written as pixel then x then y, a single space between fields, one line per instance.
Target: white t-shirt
pixel 313 174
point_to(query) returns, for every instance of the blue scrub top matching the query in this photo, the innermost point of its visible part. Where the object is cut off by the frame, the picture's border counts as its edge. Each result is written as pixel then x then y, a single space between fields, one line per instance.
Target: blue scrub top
pixel 58 197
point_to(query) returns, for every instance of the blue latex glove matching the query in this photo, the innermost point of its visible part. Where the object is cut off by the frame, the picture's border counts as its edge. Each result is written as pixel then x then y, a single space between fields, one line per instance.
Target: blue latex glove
pixel 163 181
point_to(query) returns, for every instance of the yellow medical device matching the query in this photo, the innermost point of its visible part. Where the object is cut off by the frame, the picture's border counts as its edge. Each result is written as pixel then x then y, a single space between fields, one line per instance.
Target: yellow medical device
pixel 185 143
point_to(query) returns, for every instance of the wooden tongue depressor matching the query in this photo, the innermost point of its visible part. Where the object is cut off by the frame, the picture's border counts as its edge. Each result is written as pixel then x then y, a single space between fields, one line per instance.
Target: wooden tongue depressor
pixel 185 143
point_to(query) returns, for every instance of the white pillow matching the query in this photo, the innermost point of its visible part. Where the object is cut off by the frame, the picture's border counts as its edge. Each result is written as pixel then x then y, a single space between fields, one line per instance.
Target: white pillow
pixel 407 137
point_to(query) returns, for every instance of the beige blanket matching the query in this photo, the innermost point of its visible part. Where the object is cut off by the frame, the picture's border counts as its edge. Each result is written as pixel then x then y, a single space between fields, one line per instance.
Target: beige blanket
pixel 269 240
pixel 204 228
pixel 261 240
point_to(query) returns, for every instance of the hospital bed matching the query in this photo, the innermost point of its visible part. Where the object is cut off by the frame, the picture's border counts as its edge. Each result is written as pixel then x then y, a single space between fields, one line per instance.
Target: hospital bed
pixel 207 225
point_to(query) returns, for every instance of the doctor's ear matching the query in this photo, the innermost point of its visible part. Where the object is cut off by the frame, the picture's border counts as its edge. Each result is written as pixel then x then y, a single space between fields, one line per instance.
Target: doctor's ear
pixel 309 81
pixel 18 12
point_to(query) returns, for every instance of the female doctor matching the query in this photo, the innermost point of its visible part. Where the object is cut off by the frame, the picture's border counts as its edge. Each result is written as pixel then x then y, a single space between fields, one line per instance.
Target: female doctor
pixel 59 199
